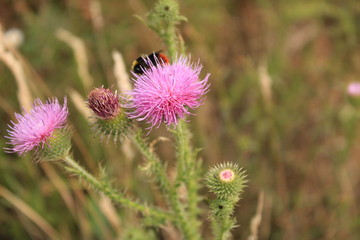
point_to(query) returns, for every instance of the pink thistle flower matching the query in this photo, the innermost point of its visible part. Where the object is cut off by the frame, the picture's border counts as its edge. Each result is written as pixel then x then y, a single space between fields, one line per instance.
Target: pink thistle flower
pixel 353 89
pixel 36 127
pixel 166 92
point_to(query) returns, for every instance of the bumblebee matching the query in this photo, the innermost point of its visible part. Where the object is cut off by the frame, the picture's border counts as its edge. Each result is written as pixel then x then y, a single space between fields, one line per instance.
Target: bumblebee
pixel 140 65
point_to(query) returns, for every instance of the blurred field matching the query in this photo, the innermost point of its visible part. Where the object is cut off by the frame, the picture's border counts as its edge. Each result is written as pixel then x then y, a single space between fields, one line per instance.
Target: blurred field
pixel 277 105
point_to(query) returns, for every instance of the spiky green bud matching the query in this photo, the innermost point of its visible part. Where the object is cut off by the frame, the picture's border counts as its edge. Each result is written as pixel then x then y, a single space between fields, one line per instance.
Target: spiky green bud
pixel 165 13
pixel 109 120
pixel 163 20
pixel 226 180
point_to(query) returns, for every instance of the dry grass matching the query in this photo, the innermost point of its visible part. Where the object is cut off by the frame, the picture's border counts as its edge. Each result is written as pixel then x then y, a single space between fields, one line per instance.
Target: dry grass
pixel 277 105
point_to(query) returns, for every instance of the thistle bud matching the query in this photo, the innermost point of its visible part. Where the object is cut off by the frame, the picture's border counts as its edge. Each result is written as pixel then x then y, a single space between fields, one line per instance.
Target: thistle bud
pixel 165 12
pixel 104 103
pixel 110 120
pixel 226 180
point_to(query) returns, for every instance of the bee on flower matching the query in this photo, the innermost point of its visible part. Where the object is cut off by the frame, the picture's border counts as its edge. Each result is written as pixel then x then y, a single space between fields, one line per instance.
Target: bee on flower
pixel 165 93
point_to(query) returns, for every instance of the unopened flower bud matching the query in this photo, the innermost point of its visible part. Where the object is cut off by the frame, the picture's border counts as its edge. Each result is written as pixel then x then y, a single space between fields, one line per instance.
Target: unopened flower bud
pixel 104 103
pixel 226 180
pixel 165 12
pixel 110 120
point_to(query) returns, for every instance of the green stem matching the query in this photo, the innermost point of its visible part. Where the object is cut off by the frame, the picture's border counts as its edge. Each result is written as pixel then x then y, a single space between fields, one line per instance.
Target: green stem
pixel 184 152
pixel 111 193
pixel 159 172
pixel 222 228
pixel 187 172
pixel 163 20
pixel 194 198
pixel 170 40
pixel 157 169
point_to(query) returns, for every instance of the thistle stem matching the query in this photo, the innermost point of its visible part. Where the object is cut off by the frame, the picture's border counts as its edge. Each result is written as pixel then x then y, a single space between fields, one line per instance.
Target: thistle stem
pixel 159 172
pixel 183 152
pixel 170 40
pixel 156 167
pixel 74 168
pixel 187 172
pixel 222 229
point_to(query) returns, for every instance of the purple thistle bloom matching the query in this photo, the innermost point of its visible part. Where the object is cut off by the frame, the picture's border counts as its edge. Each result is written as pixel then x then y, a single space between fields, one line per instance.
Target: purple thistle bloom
pixel 37 126
pixel 353 89
pixel 166 92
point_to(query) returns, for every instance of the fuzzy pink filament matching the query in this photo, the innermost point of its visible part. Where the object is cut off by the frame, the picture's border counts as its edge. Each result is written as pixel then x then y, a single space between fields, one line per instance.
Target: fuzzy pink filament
pixel 37 126
pixel 166 92
pixel 227 175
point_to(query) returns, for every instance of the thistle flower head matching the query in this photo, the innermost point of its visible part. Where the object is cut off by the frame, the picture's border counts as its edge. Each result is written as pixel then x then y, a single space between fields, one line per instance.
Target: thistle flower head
pixel 104 103
pixel 109 119
pixel 226 180
pixel 37 128
pixel 167 92
pixel 353 89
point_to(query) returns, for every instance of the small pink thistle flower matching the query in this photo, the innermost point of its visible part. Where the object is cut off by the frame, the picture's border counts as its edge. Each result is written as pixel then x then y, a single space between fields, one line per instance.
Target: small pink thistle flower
pixel 36 127
pixel 166 92
pixel 353 89
pixel 226 180
pixel 227 175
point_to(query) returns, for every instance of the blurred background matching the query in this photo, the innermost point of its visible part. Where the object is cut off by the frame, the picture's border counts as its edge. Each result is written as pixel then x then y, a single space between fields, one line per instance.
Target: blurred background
pixel 278 106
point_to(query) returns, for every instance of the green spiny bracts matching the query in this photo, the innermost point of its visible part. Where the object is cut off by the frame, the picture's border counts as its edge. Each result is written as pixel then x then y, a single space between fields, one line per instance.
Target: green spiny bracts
pixel 57 146
pixel 110 120
pixel 116 128
pixel 226 180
